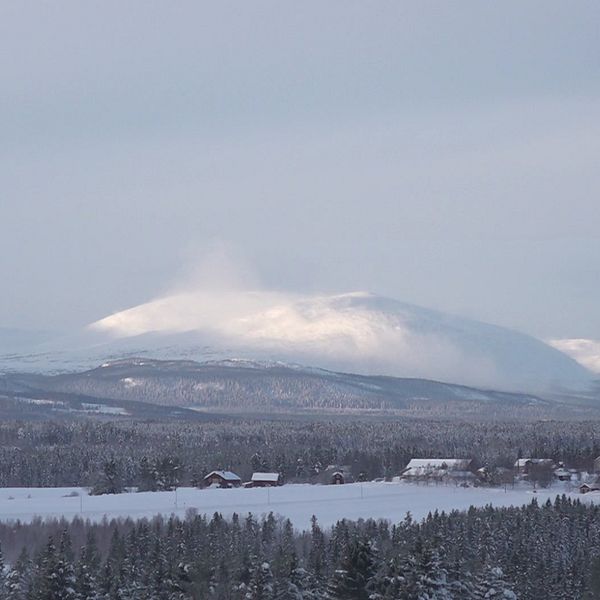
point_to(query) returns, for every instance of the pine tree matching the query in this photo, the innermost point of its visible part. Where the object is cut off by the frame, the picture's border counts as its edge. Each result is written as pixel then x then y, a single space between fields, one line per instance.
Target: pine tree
pixel 317 558
pixel 286 558
pixel 65 573
pixel 168 473
pixel 3 588
pixel 86 572
pixel 147 476
pixel 110 480
pixel 460 582
pixel 492 585
pixel 53 579
pixel 261 583
pixel 353 581
pixel 18 578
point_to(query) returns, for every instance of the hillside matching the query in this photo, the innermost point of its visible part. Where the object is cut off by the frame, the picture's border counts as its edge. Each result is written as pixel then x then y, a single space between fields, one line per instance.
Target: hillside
pixel 238 387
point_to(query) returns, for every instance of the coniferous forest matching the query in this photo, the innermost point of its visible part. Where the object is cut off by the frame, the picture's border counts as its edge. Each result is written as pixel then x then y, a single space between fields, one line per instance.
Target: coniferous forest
pixel 533 552
pixel 43 454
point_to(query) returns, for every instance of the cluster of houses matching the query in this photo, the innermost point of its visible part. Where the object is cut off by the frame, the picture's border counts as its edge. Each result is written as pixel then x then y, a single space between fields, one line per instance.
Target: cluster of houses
pixel 460 470
pixel 228 479
pixel 440 470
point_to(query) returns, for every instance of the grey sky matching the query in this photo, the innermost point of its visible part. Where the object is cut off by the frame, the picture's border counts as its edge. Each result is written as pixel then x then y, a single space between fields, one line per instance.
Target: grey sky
pixel 442 153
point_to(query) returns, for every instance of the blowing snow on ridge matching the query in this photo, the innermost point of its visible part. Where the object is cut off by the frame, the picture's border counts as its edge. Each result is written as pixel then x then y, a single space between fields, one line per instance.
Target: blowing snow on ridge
pixel 358 332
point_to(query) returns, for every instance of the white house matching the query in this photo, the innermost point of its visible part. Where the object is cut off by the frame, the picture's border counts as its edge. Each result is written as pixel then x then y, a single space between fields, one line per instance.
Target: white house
pixel 265 480
pixel 438 468
pixel 522 465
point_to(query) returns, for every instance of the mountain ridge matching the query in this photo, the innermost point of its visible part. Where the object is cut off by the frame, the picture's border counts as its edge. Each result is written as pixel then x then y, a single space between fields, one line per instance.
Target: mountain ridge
pixel 356 332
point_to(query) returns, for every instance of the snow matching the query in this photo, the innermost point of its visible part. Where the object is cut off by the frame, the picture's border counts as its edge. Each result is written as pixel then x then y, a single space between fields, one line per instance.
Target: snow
pixel 130 382
pixel 354 332
pixel 40 401
pixel 272 477
pixel 299 502
pixel 585 351
pixel 227 475
pixel 438 463
pixel 86 407
pixel 103 409
pixel 420 467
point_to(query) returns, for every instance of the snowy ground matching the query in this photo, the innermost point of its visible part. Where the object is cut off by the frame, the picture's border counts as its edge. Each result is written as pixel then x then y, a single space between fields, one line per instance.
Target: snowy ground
pixel 298 502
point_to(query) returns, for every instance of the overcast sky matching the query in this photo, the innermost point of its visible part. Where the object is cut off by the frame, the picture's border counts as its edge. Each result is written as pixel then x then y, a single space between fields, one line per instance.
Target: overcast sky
pixel 443 153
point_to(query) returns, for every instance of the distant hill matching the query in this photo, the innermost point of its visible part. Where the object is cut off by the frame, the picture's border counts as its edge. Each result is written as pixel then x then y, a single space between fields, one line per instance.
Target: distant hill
pixel 355 332
pixel 249 387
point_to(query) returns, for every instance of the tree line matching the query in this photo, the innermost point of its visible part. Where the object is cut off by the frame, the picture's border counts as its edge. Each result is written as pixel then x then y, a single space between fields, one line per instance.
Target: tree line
pixel 532 553
pixel 153 455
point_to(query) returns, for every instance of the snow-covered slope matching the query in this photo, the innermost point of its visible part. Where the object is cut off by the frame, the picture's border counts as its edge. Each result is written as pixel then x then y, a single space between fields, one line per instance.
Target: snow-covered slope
pixel 298 502
pixel 247 387
pixel 17 340
pixel 585 352
pixel 356 332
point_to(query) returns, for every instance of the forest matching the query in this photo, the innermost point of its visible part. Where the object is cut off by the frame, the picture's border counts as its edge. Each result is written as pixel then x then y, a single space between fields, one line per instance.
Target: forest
pixel 532 553
pixel 150 454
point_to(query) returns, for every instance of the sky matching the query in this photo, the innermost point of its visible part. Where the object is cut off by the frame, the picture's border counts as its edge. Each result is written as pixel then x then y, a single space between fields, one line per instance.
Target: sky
pixel 445 154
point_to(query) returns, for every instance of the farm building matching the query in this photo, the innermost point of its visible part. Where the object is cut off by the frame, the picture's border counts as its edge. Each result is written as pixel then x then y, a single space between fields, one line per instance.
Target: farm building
pixel 438 469
pixel 593 485
pixel 335 474
pixel 524 465
pixel 222 479
pixel 563 474
pixel 265 480
pixel 338 478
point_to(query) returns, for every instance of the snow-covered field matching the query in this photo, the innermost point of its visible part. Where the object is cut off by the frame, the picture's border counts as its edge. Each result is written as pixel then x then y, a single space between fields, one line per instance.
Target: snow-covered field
pixel 298 502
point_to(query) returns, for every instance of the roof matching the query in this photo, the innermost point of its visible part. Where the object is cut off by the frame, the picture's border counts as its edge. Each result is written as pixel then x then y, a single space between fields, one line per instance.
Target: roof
pixel 591 486
pixel 438 463
pixel 265 476
pixel 227 475
pixel 522 462
pixel 561 472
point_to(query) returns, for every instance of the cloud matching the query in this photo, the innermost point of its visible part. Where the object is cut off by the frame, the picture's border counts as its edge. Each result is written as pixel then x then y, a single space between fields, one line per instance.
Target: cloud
pixel 217 304
pixel 343 332
pixel 585 352
pixel 216 265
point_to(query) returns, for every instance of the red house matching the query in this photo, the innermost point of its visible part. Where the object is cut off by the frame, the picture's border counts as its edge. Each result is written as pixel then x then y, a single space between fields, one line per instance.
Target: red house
pixel 222 479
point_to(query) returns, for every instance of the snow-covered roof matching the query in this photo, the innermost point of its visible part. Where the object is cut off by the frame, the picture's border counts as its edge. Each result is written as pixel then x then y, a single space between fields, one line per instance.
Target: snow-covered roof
pixel 522 462
pixel 265 477
pixel 591 486
pixel 227 475
pixel 438 463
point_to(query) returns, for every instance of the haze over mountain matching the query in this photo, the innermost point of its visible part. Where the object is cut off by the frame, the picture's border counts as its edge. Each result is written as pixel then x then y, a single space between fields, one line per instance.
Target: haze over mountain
pixel 584 351
pixel 355 332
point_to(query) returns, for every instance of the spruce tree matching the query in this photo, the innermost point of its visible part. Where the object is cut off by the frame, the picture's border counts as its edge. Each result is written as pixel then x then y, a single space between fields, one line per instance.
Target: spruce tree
pixel 3 588
pixel 51 581
pixel 354 579
pixel 19 577
pixel 492 585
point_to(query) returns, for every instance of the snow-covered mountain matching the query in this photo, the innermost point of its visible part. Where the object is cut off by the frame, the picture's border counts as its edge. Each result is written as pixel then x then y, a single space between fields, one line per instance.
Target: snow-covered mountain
pixel 355 332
